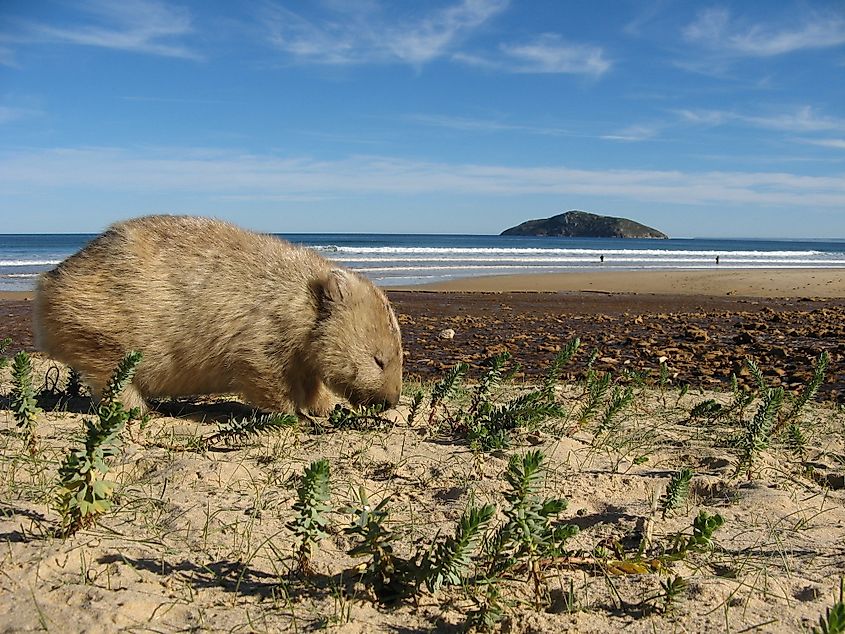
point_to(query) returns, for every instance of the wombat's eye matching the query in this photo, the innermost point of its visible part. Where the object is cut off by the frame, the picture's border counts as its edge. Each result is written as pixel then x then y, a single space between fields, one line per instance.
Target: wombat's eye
pixel 379 362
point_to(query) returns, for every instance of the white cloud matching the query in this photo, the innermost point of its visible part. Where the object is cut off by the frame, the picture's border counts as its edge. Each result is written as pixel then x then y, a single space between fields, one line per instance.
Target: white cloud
pixel 139 26
pixel 546 54
pixel 837 144
pixel 716 29
pixel 641 132
pixel 363 34
pixel 437 33
pixel 803 119
pixel 705 117
pixel 223 174
pixel 550 54
pixel 10 114
pixel 7 56
pixel 486 125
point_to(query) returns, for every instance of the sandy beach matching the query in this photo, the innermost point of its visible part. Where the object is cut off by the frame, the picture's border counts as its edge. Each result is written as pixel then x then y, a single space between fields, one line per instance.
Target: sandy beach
pixel 200 534
pixel 781 283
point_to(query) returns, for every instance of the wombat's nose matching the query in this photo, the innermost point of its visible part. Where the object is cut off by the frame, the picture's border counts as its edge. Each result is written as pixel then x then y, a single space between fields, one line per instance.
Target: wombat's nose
pixel 392 400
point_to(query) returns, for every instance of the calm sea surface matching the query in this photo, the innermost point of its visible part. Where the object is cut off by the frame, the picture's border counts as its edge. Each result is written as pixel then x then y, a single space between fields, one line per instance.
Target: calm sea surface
pixel 417 259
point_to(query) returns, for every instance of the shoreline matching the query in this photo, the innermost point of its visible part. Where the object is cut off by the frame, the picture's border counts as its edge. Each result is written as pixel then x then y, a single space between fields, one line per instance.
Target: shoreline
pixel 758 283
pixel 753 283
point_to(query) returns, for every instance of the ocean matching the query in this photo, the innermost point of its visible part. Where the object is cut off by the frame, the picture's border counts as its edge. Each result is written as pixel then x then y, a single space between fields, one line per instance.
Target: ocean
pixel 401 259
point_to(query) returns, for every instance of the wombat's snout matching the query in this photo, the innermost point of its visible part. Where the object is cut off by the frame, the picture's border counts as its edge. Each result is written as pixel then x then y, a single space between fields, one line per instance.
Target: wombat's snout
pixel 393 394
pixel 391 401
pixel 386 399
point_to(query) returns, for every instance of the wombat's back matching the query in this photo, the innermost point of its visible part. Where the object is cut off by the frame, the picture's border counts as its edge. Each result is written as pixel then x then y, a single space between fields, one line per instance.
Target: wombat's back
pixel 158 284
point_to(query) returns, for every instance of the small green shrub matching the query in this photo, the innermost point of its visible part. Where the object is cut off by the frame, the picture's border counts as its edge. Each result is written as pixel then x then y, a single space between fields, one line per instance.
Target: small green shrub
pixel 561 360
pixel 488 420
pixel 73 387
pixel 597 387
pixel 390 577
pixel 452 556
pixel 677 491
pixel 833 622
pixel 416 404
pixel 23 399
pixel 235 431
pixel 83 492
pixel 755 437
pixel 672 590
pixel 708 409
pixel 4 343
pixel 703 528
pixel 445 388
pixel 528 535
pixel 364 418
pixel 489 426
pixel 790 418
pixel 620 399
pixel 311 506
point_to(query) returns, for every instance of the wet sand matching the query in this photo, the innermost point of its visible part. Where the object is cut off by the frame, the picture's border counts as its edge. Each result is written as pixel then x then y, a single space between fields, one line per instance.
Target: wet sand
pixel 826 283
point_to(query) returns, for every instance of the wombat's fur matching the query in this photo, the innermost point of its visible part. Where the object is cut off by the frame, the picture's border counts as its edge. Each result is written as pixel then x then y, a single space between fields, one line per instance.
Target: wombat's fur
pixel 217 309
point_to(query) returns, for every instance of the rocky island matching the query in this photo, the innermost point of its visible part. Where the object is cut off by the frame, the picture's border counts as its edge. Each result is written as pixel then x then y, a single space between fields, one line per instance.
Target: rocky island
pixel 581 224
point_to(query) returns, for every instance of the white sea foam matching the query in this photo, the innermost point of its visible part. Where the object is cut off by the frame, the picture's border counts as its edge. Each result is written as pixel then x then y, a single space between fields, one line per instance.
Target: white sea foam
pixel 29 262
pixel 521 267
pixel 588 260
pixel 405 251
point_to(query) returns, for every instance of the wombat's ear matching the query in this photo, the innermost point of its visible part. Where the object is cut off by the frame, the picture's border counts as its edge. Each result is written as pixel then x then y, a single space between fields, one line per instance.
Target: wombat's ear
pixel 334 287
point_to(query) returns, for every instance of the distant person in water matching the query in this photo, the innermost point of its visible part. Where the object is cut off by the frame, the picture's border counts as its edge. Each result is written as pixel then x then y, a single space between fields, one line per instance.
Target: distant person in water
pixel 601 259
pixel 717 259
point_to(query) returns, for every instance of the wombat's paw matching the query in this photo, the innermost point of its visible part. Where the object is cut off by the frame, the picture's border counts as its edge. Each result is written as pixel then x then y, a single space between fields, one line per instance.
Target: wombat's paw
pixel 131 397
pixel 322 404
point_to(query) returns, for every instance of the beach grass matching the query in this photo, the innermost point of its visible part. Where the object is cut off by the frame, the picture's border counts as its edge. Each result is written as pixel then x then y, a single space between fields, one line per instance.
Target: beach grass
pixel 606 501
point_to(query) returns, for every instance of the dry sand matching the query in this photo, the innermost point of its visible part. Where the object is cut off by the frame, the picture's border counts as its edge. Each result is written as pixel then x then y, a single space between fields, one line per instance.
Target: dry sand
pixel 198 539
pixel 826 283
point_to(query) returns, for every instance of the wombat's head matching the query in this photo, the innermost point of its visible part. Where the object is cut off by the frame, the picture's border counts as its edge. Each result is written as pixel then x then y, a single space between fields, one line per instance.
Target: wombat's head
pixel 357 344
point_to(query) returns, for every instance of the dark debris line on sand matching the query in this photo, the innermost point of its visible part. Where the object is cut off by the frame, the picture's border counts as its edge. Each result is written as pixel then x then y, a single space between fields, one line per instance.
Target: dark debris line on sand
pixel 704 339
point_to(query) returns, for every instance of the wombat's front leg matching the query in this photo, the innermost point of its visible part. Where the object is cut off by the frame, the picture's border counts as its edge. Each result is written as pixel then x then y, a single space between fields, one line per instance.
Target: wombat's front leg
pixel 311 395
pixel 322 401
pixel 130 396
pixel 306 394
pixel 270 400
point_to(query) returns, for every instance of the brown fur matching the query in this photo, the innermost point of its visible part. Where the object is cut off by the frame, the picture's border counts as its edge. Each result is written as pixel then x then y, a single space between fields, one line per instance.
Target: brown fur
pixel 217 309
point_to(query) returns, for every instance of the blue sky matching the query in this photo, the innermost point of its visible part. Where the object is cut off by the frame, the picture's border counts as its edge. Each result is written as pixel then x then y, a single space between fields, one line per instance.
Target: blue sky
pixel 466 116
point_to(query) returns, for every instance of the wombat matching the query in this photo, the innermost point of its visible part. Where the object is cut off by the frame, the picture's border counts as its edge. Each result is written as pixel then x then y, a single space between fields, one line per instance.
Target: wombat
pixel 216 309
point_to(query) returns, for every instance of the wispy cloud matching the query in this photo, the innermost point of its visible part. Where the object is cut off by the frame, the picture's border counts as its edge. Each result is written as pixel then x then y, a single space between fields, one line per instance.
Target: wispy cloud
pixel 468 124
pixel 546 54
pixel 218 173
pixel 802 120
pixel 716 29
pixel 641 132
pixel 367 34
pixel 9 114
pixel 188 100
pixel 364 34
pixel 550 54
pixel 837 144
pixel 138 26
pixel 7 56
